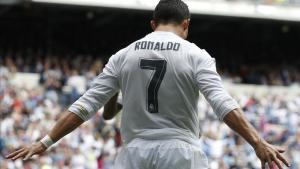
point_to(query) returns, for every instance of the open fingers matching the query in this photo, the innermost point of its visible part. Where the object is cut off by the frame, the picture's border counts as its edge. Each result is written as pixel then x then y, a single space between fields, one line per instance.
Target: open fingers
pixel 281 158
pixel 21 154
pixel 277 162
pixel 14 153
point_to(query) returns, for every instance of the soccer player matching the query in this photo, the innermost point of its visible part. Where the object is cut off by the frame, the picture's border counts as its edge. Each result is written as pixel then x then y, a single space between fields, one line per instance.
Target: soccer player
pixel 159 77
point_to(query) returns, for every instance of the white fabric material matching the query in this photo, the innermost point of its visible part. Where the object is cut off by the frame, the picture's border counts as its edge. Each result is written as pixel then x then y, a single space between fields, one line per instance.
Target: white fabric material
pixel 162 154
pixel 188 70
pixel 47 141
pixel 87 105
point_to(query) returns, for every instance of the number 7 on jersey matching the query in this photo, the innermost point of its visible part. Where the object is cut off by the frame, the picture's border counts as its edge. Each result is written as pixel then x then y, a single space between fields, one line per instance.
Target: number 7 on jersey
pixel 159 66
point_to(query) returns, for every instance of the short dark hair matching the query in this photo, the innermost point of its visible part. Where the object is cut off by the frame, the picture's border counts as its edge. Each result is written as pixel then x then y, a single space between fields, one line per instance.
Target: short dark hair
pixel 171 11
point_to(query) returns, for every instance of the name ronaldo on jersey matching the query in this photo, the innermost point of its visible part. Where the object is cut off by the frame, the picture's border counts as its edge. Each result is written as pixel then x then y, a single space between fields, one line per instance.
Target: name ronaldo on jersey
pixel 159 46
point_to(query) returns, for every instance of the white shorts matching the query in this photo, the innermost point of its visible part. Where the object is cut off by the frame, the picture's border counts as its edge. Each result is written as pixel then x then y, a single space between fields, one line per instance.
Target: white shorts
pixel 160 154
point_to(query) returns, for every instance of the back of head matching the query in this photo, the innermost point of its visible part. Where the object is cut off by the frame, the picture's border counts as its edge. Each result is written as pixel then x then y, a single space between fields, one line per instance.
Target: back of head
pixel 171 11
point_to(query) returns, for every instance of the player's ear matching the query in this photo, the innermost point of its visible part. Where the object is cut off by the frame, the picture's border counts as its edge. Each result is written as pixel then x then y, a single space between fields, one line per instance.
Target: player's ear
pixel 153 25
pixel 185 24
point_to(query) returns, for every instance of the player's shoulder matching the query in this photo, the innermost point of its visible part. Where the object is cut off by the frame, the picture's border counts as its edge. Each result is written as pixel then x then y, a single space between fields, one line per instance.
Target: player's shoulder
pixel 200 58
pixel 196 51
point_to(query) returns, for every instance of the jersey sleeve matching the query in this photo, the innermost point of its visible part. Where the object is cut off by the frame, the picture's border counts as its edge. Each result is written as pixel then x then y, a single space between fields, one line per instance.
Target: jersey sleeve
pixel 210 84
pixel 103 88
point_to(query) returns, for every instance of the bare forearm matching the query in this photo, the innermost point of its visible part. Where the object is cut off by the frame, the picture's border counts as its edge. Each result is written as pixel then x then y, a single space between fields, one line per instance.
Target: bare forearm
pixel 238 122
pixel 65 125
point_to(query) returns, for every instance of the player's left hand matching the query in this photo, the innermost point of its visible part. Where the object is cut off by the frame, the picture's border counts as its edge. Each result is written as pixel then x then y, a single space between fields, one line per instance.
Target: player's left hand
pixel 27 152
pixel 270 154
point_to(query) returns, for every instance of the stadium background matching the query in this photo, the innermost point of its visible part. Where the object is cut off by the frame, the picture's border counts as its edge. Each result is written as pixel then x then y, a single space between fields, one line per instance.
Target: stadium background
pixel 49 54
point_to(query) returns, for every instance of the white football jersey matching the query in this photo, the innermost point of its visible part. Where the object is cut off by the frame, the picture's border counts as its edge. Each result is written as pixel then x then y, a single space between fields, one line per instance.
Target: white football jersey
pixel 160 77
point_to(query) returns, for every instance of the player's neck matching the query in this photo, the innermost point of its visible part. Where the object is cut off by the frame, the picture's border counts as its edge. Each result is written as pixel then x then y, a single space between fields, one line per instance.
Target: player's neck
pixel 169 28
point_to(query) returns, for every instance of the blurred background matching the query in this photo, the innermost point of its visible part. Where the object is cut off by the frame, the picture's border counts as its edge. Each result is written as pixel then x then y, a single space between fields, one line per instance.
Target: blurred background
pixel 51 50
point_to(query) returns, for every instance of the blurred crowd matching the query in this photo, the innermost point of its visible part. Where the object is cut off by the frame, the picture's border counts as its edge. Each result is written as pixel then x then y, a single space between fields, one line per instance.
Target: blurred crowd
pixel 56 70
pixel 264 74
pixel 27 114
pixel 276 117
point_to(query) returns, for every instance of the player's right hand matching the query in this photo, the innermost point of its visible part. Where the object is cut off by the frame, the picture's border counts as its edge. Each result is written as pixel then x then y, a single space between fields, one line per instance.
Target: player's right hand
pixel 271 155
pixel 27 152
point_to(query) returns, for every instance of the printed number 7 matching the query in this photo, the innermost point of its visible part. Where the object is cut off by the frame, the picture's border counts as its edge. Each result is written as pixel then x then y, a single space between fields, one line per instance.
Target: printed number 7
pixel 159 66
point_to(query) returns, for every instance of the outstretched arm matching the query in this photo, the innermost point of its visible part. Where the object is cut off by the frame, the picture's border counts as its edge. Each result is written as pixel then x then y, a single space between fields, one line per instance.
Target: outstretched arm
pixel 64 126
pixel 104 87
pixel 82 110
pixel 264 151
pixel 227 109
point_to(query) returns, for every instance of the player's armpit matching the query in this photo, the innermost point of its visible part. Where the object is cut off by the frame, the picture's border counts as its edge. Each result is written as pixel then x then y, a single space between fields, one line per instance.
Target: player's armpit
pixel 111 108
